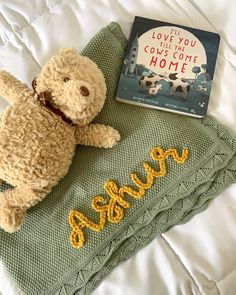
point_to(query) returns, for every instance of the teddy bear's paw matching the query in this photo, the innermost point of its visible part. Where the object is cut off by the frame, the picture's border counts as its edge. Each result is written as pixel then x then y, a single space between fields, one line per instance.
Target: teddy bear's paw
pixel 11 218
pixel 113 138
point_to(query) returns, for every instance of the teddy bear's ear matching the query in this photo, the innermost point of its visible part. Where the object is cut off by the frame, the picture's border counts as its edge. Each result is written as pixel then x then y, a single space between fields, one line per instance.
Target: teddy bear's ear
pixel 68 50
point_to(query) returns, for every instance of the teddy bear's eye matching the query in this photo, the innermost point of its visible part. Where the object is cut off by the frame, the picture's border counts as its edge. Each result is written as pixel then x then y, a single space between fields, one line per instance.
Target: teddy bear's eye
pixel 66 79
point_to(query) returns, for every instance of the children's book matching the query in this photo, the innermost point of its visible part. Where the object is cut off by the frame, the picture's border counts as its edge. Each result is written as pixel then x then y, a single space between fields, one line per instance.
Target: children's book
pixel 168 67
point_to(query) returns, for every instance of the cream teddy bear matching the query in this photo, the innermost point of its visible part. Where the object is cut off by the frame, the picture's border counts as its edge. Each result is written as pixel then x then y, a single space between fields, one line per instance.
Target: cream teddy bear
pixel 39 132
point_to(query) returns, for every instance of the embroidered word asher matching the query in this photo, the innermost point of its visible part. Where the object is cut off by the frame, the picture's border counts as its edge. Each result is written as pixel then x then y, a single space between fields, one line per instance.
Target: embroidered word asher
pixel 114 210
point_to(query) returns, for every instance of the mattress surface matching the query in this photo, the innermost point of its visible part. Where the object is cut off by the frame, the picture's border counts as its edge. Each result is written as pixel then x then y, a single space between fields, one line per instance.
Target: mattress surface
pixel 200 256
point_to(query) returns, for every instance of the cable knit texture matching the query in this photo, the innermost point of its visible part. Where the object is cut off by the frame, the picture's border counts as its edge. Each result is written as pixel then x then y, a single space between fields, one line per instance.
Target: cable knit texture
pixel 41 258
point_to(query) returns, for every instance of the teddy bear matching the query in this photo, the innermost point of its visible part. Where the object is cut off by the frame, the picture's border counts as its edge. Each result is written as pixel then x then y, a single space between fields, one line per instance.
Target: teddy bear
pixel 40 130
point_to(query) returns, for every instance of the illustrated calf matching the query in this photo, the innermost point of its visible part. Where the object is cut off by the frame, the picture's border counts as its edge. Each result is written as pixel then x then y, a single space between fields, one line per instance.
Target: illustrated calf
pixel 177 84
pixel 149 81
pixel 153 90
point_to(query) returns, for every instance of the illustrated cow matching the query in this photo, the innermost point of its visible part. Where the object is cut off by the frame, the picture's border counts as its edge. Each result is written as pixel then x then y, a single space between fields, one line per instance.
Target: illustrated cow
pixel 177 84
pixel 153 90
pixel 149 81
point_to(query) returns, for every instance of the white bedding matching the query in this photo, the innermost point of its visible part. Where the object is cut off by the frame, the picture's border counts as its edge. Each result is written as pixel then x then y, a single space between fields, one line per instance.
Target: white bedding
pixel 200 256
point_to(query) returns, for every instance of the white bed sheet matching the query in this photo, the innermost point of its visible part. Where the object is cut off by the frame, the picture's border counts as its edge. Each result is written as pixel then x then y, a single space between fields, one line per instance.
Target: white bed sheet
pixel 200 256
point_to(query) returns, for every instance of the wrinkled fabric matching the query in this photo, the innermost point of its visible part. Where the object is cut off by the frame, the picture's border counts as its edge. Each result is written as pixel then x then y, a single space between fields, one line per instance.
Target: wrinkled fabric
pixel 216 271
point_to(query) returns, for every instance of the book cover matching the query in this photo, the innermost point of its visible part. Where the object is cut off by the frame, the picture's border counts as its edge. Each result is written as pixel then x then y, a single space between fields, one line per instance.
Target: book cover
pixel 168 67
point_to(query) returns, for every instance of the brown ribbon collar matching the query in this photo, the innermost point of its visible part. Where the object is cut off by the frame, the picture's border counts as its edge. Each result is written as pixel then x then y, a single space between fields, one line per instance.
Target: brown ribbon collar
pixel 44 98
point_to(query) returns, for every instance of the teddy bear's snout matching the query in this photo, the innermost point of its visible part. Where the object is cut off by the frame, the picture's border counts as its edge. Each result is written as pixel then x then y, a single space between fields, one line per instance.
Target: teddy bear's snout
pixel 84 91
pixel 80 95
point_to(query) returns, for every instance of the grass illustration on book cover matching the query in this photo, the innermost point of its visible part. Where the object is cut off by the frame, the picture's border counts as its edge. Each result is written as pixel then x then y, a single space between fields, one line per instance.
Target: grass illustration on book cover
pixel 168 67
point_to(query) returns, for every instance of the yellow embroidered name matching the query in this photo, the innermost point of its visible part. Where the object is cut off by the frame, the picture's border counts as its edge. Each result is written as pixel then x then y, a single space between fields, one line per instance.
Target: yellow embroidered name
pixel 114 210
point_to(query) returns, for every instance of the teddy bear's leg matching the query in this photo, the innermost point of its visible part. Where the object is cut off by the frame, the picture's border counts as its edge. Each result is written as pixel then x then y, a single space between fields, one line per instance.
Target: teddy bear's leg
pixel 11 217
pixel 13 205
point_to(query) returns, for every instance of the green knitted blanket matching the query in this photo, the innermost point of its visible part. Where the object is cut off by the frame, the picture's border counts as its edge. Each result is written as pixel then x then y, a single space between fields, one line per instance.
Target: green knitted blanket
pixel 191 161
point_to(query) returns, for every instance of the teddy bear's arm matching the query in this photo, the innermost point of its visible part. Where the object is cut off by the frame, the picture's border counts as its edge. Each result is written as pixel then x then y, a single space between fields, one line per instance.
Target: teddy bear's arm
pixel 97 135
pixel 12 89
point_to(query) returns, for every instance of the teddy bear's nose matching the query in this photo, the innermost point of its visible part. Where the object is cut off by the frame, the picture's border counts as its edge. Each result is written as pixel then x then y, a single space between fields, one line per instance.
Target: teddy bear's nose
pixel 84 91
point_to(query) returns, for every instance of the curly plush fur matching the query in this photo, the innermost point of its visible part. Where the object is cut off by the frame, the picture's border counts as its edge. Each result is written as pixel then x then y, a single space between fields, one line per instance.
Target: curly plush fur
pixel 36 145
